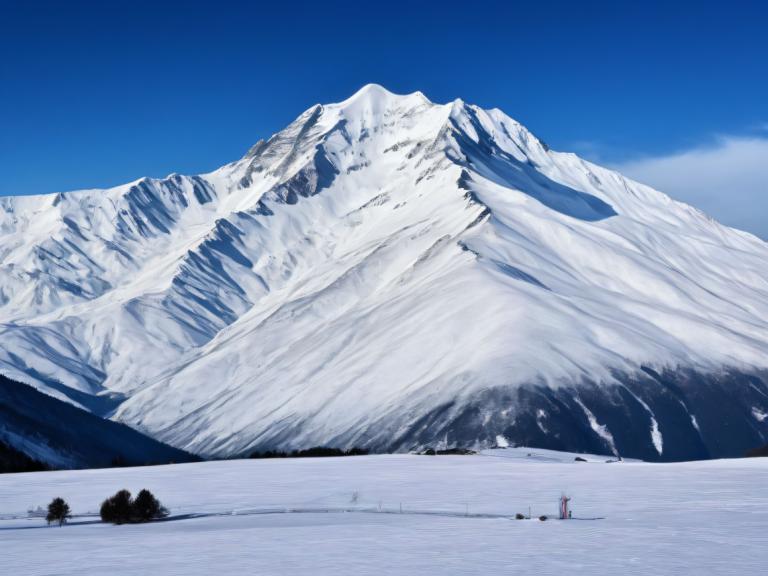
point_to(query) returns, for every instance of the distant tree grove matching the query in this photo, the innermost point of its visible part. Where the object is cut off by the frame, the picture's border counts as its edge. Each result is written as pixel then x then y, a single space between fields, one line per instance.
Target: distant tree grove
pixel 123 509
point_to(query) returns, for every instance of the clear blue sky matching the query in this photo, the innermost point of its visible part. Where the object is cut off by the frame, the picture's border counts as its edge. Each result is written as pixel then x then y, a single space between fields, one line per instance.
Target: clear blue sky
pixel 94 94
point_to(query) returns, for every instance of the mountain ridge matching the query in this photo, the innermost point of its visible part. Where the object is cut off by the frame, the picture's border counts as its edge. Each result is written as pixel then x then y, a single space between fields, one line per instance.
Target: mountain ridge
pixel 276 292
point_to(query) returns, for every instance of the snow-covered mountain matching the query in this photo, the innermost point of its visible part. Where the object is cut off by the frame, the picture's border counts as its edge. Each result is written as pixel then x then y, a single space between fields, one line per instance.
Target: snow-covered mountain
pixel 391 273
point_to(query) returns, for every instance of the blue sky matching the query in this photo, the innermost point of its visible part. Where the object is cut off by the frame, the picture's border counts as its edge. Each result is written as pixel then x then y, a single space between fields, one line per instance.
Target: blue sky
pixel 94 94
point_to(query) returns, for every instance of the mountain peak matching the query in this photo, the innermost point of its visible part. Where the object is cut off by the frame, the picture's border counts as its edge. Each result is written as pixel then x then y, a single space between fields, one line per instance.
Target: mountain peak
pixel 372 89
pixel 376 261
pixel 376 93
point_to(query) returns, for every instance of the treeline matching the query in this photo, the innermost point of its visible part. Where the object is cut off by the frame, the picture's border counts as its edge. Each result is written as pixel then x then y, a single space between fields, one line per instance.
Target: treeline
pixel 447 452
pixel 120 462
pixel 758 452
pixel 315 452
pixel 12 460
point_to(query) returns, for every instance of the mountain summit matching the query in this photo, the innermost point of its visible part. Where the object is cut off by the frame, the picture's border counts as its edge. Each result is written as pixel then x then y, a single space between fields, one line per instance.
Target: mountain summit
pixel 391 273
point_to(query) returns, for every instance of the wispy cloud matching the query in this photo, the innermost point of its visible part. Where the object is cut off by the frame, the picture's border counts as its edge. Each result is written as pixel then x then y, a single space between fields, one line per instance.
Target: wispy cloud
pixel 727 179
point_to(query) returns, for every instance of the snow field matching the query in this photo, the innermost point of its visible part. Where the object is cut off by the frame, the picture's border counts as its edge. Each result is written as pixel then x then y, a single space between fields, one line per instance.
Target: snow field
pixel 686 518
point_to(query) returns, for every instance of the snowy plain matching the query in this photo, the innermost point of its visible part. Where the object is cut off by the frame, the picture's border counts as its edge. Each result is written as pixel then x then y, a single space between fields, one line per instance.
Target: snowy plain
pixel 706 517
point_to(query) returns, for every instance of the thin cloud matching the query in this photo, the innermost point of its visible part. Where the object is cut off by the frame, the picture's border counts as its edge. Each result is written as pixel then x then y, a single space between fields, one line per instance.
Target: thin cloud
pixel 589 149
pixel 727 180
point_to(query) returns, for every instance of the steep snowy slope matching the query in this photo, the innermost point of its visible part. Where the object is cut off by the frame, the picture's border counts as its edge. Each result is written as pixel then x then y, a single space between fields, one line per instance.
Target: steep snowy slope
pixel 35 429
pixel 393 273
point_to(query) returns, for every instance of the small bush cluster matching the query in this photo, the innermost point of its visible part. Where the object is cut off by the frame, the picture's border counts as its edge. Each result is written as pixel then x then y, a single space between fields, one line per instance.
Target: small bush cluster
pixel 315 452
pixel 122 509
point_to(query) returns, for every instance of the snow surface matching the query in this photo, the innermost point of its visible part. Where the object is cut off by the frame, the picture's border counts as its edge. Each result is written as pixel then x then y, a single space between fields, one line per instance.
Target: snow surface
pixel 374 260
pixel 684 518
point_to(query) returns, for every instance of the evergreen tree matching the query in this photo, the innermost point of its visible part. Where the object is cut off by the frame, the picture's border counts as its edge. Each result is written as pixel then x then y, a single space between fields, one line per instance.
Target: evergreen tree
pixel 58 511
pixel 118 509
pixel 146 507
